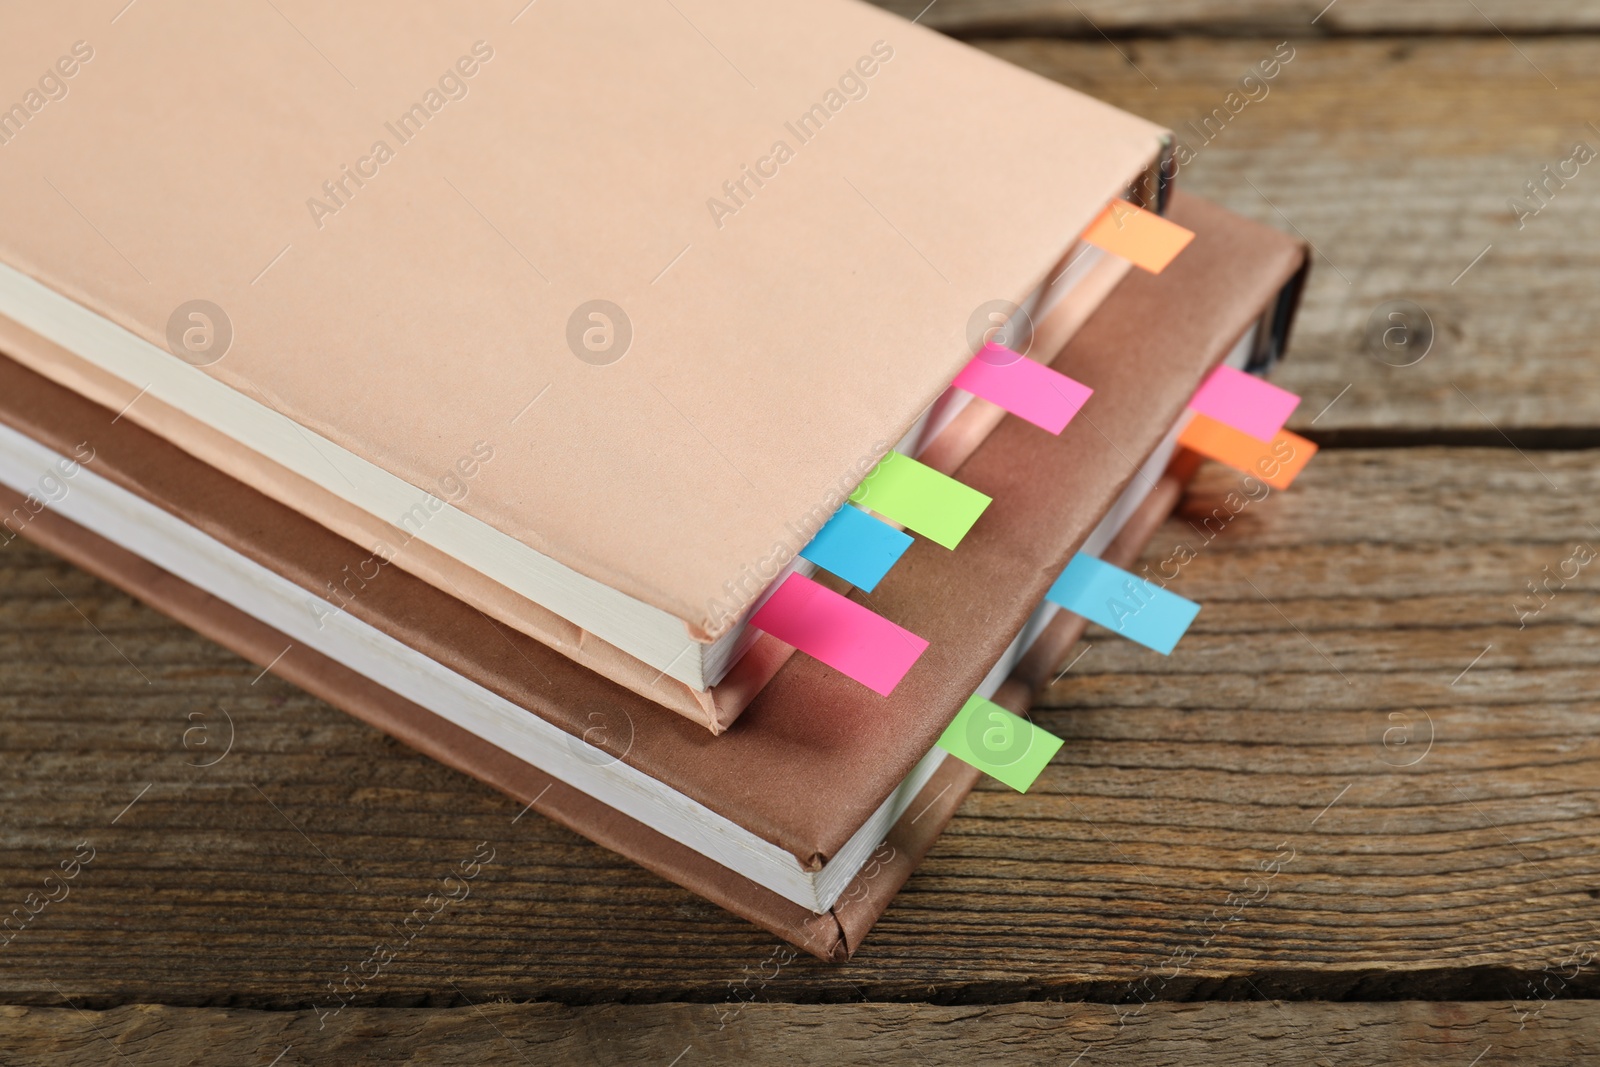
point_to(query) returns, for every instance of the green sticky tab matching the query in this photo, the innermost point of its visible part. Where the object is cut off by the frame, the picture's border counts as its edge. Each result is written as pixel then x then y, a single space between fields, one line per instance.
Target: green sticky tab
pixel 921 499
pixel 998 743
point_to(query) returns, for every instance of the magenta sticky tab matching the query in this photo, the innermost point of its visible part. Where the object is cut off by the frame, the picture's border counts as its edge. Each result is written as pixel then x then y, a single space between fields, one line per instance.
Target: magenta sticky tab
pixel 839 632
pixel 1028 389
pixel 1247 403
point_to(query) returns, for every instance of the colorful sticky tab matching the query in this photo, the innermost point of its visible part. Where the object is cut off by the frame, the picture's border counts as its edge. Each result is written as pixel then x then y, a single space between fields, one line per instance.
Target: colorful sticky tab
pixel 839 632
pixel 1277 463
pixel 998 743
pixel 857 547
pixel 1145 238
pixel 1249 404
pixel 1138 610
pixel 921 499
pixel 1029 390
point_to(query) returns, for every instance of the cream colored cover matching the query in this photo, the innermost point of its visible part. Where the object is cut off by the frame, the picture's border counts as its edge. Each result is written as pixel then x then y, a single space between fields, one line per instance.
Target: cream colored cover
pixel 401 212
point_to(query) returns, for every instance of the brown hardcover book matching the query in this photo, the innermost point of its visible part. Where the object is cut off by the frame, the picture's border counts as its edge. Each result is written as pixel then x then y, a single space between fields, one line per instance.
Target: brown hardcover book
pixel 812 762
pixel 589 314
pixel 832 935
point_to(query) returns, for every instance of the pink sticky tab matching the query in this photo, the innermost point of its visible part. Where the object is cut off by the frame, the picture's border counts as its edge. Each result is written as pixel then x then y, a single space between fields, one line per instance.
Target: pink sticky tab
pixel 840 633
pixel 1245 402
pixel 1028 389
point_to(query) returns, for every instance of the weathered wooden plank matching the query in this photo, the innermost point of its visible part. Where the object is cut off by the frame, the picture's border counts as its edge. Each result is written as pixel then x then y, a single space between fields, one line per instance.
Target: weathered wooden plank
pixel 1090 18
pixel 691 1035
pixel 1302 804
pixel 1398 160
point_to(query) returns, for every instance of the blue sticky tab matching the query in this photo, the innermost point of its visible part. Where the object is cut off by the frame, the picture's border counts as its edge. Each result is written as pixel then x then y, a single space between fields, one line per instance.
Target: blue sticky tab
pixel 1123 603
pixel 857 547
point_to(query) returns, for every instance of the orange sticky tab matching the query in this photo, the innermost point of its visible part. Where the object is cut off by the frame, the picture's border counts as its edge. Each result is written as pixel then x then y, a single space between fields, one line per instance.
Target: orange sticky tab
pixel 1276 463
pixel 1145 238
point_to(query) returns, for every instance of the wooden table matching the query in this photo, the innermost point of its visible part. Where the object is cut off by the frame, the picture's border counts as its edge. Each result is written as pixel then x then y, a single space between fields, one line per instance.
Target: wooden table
pixel 1360 699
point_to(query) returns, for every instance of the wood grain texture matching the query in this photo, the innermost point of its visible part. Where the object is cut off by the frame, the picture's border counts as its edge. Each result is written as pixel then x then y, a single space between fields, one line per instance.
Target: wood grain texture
pixel 690 1035
pixel 1300 18
pixel 1397 159
pixel 1434 835
pixel 1356 708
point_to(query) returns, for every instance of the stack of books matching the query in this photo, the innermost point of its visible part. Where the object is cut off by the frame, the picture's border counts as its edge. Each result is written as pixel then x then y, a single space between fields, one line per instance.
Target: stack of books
pixel 708 423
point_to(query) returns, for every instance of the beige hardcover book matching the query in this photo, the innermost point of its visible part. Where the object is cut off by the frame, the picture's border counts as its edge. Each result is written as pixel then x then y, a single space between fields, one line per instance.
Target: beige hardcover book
pixel 589 314
pixel 797 791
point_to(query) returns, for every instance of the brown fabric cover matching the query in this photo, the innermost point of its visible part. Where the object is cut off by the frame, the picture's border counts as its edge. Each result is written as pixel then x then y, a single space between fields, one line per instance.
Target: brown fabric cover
pixel 832 936
pixel 815 753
